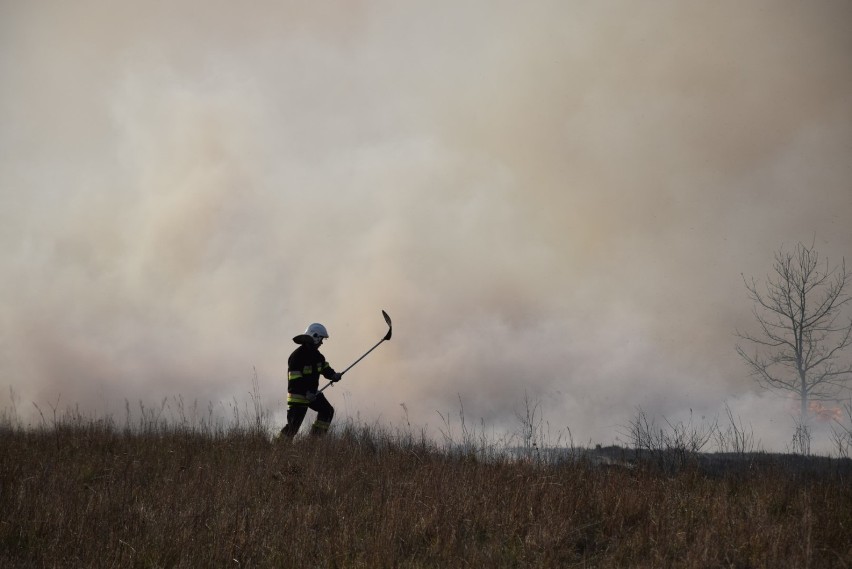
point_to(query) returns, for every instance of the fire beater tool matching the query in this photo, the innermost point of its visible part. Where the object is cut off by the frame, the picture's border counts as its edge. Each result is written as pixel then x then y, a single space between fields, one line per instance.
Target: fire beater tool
pixel 387 337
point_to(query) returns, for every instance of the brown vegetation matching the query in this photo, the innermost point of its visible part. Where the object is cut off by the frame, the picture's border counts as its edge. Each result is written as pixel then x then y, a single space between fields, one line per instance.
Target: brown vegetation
pixel 88 494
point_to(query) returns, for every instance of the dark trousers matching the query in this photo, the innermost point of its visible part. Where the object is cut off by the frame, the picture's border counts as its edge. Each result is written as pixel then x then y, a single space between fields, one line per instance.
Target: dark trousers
pixel 296 414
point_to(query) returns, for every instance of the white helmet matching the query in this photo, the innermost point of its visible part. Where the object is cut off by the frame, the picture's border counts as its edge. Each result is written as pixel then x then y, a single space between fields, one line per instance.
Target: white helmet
pixel 317 332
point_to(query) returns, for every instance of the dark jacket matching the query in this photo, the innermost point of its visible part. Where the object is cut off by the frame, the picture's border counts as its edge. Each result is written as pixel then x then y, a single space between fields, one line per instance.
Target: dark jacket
pixel 304 367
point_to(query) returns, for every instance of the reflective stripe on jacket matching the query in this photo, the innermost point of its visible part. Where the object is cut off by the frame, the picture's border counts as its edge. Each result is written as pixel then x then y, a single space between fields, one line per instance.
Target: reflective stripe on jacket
pixel 307 371
pixel 297 399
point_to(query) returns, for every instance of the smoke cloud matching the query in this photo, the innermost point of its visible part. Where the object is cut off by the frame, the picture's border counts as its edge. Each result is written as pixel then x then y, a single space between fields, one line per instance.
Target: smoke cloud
pixel 552 200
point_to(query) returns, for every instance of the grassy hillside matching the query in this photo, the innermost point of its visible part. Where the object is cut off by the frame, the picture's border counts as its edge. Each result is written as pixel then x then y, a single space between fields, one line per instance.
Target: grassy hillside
pixel 92 495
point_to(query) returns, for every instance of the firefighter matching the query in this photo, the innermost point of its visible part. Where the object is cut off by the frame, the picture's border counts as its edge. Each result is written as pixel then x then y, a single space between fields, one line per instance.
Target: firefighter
pixel 304 368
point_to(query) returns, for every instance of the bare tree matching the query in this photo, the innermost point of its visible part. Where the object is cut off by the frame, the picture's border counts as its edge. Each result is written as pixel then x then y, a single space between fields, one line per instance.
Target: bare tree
pixel 802 334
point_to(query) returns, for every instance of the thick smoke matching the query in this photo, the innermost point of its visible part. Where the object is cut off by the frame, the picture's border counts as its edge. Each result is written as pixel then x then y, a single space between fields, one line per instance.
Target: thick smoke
pixel 552 200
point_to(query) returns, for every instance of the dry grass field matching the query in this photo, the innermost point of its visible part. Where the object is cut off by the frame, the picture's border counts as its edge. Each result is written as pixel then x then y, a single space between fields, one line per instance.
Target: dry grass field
pixel 91 494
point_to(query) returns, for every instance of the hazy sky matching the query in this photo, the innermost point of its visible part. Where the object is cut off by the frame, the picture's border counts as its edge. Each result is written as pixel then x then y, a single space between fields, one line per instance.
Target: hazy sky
pixel 551 198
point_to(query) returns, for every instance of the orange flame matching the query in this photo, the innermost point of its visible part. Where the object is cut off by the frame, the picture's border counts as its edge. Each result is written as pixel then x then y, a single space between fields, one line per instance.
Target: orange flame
pixel 824 413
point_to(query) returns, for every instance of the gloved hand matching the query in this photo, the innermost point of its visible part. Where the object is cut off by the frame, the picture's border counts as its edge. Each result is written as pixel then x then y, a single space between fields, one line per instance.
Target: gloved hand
pixel 337 377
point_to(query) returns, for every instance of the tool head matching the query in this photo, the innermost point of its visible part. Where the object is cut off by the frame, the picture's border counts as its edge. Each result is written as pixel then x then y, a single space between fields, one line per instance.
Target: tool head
pixel 390 326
